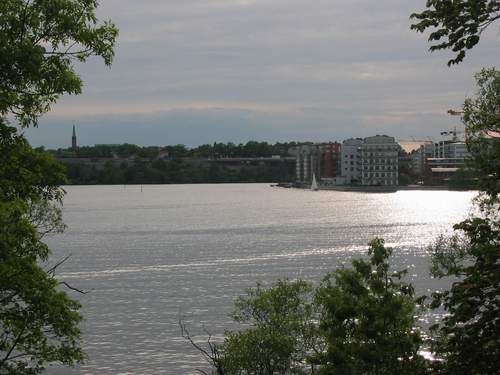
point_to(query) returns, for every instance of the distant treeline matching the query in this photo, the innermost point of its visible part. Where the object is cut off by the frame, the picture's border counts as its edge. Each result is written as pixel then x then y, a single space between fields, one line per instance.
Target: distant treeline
pixel 132 164
pixel 215 150
pixel 176 171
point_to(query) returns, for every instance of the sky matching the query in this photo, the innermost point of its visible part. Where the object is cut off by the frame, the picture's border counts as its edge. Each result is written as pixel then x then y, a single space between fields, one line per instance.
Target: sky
pixel 202 71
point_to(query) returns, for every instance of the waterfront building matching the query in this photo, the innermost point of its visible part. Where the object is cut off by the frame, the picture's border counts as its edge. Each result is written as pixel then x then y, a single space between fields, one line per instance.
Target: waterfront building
pixel 419 157
pixel 379 161
pixel 331 159
pixel 449 157
pixel 320 159
pixel 450 149
pixel 351 160
pixel 305 163
pixel 440 170
pixel 357 161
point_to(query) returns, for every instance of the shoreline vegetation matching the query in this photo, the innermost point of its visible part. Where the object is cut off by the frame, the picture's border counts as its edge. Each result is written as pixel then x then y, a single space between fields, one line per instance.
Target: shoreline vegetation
pixel 217 163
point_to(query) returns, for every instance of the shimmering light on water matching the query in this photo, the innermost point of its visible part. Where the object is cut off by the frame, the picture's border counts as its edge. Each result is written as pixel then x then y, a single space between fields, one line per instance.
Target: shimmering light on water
pixel 187 251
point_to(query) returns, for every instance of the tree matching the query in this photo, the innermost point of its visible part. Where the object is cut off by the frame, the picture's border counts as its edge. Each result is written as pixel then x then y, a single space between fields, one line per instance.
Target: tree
pixel 39 43
pixel 281 332
pixel 468 338
pixel 368 319
pixel 360 320
pixel 38 322
pixel 482 120
pixel 456 24
pixel 464 178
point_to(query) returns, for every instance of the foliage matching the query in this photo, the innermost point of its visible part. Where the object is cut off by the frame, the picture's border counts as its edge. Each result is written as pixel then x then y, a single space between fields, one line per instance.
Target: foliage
pixel 360 320
pixel 469 334
pixel 25 174
pixel 456 24
pixel 175 171
pixel 132 164
pixel 251 149
pixel 368 319
pixel 39 43
pixel 481 116
pixel 38 322
pixel 468 338
pixel 281 334
pixel 463 179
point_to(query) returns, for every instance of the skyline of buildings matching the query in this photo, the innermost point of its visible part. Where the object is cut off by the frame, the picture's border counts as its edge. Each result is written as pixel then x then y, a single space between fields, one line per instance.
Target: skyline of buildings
pixel 376 161
pixel 363 161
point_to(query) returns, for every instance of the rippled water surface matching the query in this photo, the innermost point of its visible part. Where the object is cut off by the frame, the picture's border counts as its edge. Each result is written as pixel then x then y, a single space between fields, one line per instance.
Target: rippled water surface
pixel 186 251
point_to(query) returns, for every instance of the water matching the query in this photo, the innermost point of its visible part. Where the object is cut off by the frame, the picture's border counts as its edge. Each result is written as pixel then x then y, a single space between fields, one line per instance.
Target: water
pixel 185 252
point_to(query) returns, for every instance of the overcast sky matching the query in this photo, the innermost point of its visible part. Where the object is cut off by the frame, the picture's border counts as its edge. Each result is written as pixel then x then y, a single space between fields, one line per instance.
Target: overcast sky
pixel 203 71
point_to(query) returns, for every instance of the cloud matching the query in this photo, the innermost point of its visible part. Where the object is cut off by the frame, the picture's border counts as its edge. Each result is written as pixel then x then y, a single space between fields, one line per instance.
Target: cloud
pixel 199 70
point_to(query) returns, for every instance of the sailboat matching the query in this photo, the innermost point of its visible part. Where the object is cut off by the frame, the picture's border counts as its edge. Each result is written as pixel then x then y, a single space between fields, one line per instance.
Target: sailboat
pixel 314 184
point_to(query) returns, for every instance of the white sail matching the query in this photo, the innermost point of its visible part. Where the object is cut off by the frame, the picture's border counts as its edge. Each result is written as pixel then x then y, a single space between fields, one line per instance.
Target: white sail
pixel 314 184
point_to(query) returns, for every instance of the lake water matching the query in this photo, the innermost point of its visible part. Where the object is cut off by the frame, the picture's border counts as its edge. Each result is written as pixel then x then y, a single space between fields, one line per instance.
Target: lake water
pixel 173 252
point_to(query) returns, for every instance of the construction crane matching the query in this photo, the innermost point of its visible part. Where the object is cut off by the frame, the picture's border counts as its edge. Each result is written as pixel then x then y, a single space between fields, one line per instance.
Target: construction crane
pixel 454 132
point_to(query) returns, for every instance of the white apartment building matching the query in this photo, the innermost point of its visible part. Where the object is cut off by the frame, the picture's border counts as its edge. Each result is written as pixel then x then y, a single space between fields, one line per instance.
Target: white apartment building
pixel 379 156
pixel 303 163
pixel 351 161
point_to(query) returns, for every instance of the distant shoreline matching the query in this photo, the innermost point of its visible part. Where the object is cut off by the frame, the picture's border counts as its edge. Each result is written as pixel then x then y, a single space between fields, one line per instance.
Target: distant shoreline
pixel 344 188
pixel 375 189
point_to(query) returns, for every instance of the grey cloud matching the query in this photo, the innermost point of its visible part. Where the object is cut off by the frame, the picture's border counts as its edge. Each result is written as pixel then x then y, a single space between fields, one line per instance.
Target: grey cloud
pixel 195 70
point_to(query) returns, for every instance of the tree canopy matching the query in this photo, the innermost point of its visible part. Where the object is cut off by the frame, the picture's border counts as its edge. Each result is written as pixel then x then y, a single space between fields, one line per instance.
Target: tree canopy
pixel 39 43
pixel 482 120
pixel 456 25
pixel 40 40
pixel 369 319
pixel 360 320
pixel 468 338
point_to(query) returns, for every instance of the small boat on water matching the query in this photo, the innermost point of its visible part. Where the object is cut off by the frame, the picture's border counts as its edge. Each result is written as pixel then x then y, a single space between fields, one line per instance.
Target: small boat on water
pixel 314 184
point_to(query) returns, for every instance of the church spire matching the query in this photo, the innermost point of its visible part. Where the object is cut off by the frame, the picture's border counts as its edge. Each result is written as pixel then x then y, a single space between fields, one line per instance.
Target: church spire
pixel 73 139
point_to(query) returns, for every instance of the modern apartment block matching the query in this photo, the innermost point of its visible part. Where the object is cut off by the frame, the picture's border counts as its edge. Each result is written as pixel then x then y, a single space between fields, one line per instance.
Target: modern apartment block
pixel 450 149
pixel 322 159
pixel 437 162
pixel 358 161
pixel 304 162
pixel 331 160
pixel 379 161
pixel 351 161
